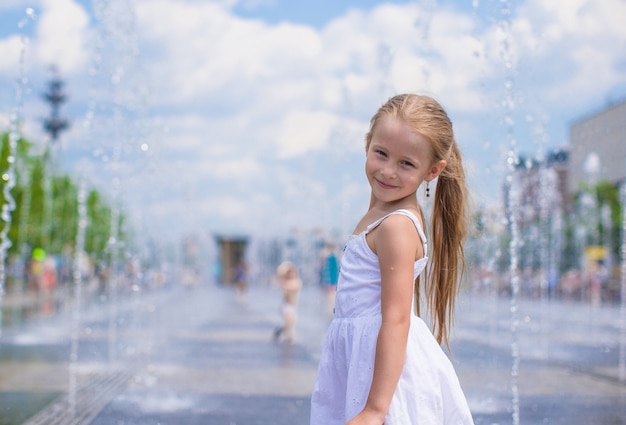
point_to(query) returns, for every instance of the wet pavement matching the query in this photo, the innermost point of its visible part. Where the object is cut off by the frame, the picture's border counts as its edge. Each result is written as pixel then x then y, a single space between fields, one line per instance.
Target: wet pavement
pixel 197 356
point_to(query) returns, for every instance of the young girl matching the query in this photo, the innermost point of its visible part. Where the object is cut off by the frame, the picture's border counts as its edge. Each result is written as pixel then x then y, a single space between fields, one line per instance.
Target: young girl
pixel 381 364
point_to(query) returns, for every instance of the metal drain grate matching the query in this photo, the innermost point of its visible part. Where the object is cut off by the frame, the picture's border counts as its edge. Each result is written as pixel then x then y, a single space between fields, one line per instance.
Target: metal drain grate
pixel 89 401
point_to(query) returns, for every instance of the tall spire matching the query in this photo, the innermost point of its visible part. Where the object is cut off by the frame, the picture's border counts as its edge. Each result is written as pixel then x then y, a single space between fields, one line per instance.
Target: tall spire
pixel 55 96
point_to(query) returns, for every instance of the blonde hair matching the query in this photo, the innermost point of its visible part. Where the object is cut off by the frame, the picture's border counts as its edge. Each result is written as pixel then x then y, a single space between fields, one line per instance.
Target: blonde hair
pixel 449 220
pixel 285 267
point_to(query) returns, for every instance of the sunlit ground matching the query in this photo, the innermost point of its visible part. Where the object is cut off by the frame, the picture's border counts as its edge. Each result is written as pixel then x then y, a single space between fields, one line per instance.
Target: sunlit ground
pixel 181 354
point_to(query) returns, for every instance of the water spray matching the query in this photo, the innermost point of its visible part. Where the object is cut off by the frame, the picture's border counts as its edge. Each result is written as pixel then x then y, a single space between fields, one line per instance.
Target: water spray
pixel 8 176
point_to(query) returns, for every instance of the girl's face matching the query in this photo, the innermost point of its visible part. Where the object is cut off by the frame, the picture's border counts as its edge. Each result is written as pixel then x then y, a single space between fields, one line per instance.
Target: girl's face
pixel 398 160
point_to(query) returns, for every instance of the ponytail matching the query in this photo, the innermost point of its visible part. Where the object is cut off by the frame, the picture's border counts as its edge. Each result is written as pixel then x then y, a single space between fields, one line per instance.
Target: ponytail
pixel 448 229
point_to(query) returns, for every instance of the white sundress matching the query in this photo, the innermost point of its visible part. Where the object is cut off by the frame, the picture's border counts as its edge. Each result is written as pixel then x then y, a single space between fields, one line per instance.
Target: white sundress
pixel 428 391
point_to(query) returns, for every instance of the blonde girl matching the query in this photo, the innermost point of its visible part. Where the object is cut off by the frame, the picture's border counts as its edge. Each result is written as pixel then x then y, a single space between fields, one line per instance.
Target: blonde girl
pixel 381 364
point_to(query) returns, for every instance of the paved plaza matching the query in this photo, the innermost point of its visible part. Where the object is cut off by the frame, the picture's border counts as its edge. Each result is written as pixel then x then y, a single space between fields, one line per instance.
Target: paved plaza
pixel 198 356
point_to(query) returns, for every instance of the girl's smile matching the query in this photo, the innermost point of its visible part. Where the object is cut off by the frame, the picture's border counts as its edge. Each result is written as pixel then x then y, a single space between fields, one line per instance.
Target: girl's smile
pixel 384 185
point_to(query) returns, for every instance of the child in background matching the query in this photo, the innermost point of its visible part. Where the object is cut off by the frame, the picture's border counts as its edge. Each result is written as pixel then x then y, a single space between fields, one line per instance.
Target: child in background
pixel 381 364
pixel 329 274
pixel 241 281
pixel 290 283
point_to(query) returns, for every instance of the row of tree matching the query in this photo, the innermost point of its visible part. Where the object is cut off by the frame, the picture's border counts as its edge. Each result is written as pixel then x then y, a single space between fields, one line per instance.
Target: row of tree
pixel 46 206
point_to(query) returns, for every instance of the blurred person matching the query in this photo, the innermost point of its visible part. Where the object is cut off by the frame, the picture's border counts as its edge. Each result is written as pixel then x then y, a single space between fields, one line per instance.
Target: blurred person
pixel 35 270
pixel 49 275
pixel 290 284
pixel 241 281
pixel 329 275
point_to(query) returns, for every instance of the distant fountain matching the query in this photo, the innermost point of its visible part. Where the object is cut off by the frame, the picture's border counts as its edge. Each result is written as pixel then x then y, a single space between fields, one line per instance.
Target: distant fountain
pixel 24 171
pixel 545 192
pixel 622 339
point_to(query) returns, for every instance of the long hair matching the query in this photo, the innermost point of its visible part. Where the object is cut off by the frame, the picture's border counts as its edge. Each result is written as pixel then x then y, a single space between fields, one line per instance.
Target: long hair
pixel 449 220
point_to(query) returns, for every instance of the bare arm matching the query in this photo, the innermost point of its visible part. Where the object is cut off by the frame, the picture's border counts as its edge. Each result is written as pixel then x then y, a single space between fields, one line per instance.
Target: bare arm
pixel 396 243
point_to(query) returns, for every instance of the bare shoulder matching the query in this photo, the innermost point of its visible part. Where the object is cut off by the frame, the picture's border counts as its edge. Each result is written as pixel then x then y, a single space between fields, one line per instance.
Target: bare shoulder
pixel 395 233
pixel 398 226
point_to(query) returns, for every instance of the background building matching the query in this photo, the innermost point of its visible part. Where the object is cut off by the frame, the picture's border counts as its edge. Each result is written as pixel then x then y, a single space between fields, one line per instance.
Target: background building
pixel 540 185
pixel 598 148
pixel 232 251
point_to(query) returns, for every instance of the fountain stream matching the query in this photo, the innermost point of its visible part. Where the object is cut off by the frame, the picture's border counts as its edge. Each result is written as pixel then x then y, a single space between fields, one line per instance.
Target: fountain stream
pixel 118 46
pixel 513 200
pixel 9 174
pixel 622 339
pixel 77 274
pixel 80 259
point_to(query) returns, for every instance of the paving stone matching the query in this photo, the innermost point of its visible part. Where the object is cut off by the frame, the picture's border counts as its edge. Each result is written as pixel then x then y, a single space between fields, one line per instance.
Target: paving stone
pixel 198 357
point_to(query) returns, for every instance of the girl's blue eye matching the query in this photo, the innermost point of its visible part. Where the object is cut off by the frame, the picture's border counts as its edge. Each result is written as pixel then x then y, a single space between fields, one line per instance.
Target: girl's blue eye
pixel 379 152
pixel 407 164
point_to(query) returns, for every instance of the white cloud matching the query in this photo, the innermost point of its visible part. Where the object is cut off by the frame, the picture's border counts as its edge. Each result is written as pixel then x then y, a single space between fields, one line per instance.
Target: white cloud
pixel 302 132
pixel 62 35
pixel 240 169
pixel 207 50
pixel 575 46
pixel 10 51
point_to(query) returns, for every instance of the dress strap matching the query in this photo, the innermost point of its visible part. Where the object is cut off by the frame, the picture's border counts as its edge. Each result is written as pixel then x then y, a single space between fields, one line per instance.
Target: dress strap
pixel 406 213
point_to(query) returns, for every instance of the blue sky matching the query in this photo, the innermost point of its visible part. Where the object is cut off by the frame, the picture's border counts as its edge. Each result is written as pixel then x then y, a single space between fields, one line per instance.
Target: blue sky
pixel 314 13
pixel 248 116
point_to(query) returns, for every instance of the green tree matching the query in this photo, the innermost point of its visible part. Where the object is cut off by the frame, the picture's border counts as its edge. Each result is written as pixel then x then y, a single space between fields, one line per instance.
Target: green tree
pixel 46 206
pixel 608 194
